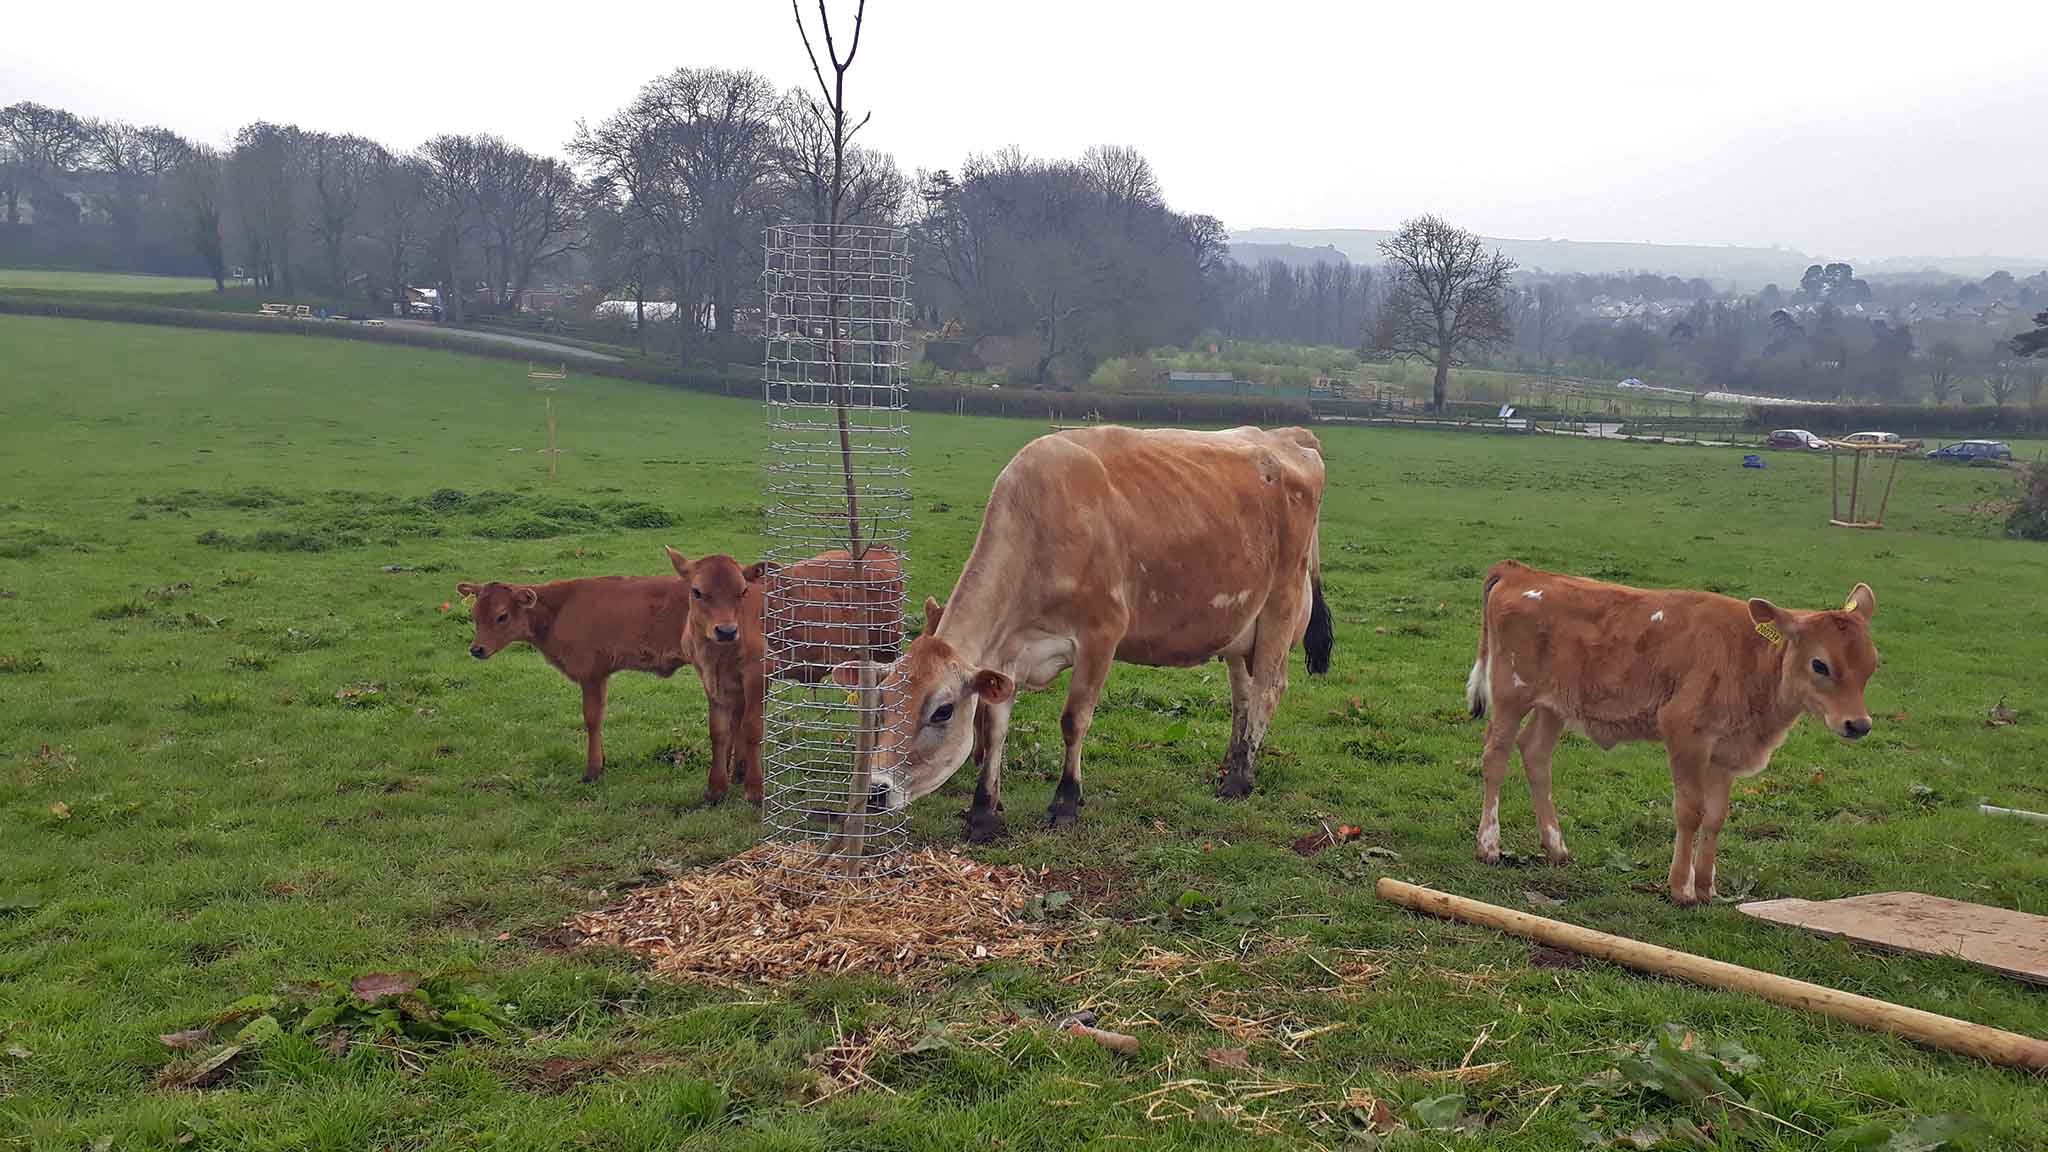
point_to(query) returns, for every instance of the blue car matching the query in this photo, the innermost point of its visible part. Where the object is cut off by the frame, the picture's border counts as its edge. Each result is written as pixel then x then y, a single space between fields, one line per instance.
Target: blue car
pixel 1988 453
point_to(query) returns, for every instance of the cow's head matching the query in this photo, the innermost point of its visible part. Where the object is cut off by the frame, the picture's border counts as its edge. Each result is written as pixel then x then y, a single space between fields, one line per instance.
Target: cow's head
pixel 718 585
pixel 927 699
pixel 501 613
pixel 1828 659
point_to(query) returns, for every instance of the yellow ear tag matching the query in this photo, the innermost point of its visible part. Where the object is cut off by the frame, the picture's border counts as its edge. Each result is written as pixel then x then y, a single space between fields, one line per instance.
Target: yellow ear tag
pixel 1850 606
pixel 1769 631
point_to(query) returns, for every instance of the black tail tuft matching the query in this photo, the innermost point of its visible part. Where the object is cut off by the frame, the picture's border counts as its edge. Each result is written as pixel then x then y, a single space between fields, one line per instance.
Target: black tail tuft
pixel 1322 634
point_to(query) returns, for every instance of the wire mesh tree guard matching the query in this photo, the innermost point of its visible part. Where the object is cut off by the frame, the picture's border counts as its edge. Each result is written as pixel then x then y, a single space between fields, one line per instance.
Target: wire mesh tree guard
pixel 838 517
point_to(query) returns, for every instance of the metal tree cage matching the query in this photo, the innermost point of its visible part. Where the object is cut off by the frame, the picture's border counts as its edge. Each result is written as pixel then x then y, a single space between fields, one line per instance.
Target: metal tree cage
pixel 838 518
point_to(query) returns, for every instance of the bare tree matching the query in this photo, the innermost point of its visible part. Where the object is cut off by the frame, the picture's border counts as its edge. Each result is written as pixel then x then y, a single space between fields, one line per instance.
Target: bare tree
pixel 526 212
pixel 875 188
pixel 1942 358
pixel 338 171
pixel 43 143
pixel 199 188
pixel 396 216
pixel 1445 298
pixel 2002 381
pixel 450 169
pixel 262 173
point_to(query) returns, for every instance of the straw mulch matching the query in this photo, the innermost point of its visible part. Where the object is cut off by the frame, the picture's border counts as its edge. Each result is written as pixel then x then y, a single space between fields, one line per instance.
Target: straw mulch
pixel 737 922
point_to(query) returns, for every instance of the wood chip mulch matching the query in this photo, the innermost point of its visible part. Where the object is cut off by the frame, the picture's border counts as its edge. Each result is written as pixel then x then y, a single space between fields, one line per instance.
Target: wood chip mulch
pixel 739 923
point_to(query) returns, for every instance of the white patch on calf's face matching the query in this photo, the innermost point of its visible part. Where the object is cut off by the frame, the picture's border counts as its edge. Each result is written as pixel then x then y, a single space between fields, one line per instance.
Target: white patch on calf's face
pixel 1517 678
pixel 1656 616
pixel 1533 594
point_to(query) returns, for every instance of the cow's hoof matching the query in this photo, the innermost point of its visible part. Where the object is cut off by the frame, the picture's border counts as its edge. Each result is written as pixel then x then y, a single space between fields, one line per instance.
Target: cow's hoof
pixel 986 827
pixel 1559 858
pixel 714 799
pixel 1062 815
pixel 1684 899
pixel 592 775
pixel 1233 787
pixel 1487 854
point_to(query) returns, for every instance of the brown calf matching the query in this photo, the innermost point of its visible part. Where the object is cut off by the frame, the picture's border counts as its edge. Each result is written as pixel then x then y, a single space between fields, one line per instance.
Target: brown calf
pixel 588 629
pixel 1718 682
pixel 828 610
pixel 722 639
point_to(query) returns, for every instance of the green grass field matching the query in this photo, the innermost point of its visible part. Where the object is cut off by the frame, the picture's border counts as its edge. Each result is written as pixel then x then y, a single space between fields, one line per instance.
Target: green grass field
pixel 118 283
pixel 196 537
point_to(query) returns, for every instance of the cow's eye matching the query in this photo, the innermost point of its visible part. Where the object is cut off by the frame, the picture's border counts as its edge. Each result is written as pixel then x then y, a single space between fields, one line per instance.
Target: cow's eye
pixel 696 593
pixel 1820 668
pixel 504 616
pixel 942 713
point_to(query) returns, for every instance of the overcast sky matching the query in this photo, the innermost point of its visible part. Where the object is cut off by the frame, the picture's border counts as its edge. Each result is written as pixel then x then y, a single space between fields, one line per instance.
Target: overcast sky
pixel 1842 130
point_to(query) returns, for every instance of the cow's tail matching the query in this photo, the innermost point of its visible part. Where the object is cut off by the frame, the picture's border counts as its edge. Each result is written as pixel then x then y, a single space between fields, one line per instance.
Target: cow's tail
pixel 1479 685
pixel 1321 636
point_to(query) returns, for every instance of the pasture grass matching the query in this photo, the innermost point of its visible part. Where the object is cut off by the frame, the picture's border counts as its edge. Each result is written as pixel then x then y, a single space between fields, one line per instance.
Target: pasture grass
pixel 242 746
pixel 123 283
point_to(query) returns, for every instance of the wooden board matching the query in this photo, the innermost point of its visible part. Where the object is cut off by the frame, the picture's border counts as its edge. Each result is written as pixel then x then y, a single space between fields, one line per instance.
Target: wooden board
pixel 2014 943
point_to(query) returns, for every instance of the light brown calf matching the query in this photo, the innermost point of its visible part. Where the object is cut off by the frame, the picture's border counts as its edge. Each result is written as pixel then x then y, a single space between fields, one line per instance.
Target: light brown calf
pixel 1161 547
pixel 828 610
pixel 588 629
pixel 721 637
pixel 1718 682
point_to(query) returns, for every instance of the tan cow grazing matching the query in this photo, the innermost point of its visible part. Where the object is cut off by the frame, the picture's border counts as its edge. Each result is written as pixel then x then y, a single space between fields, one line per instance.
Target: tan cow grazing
pixel 1718 682
pixel 722 639
pixel 1161 547
pixel 588 629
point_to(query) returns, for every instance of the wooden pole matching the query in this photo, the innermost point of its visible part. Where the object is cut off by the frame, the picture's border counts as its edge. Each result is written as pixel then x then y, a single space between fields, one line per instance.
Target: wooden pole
pixel 1835 485
pixel 2014 813
pixel 552 454
pixel 1944 1032
pixel 1890 478
pixel 1855 482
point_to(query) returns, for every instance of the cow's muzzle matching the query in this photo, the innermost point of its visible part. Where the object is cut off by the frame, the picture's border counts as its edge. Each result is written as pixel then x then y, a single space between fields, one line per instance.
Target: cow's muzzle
pixel 479 651
pixel 1856 729
pixel 726 634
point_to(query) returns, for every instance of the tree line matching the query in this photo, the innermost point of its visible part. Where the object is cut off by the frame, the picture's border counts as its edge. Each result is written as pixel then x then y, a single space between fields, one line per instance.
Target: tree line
pixel 1036 269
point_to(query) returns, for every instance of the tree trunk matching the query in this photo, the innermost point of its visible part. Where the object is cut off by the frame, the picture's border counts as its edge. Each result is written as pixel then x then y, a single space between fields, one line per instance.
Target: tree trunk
pixel 1443 381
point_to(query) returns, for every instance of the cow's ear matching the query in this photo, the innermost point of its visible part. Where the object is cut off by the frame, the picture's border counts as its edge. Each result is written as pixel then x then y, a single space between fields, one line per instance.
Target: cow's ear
pixel 994 687
pixel 678 561
pixel 526 597
pixel 754 572
pixel 932 611
pixel 848 675
pixel 1862 601
pixel 1771 621
pixel 467 589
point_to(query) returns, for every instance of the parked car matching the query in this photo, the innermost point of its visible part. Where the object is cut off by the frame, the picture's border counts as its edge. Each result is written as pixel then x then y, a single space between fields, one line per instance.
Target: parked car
pixel 423 310
pixel 1796 438
pixel 1871 438
pixel 1977 453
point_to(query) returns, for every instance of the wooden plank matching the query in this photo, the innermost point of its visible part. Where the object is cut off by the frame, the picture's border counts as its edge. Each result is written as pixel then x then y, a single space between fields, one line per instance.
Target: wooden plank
pixel 2013 943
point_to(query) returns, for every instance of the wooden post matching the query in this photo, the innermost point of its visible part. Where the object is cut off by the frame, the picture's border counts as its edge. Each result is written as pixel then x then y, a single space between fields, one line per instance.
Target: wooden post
pixel 1855 479
pixel 1835 486
pixel 1890 477
pixel 1935 1030
pixel 552 453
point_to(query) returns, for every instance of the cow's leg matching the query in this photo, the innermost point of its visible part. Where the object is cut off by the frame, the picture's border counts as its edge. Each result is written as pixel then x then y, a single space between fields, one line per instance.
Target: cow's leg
pixel 1501 723
pixel 748 738
pixel 722 735
pixel 1268 674
pixel 985 818
pixel 1714 792
pixel 1084 688
pixel 593 728
pixel 1240 707
pixel 1688 767
pixel 1538 740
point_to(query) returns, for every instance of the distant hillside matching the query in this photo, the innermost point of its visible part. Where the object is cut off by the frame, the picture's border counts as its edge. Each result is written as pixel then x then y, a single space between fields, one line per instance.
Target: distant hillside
pixel 1729 266
pixel 1740 267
